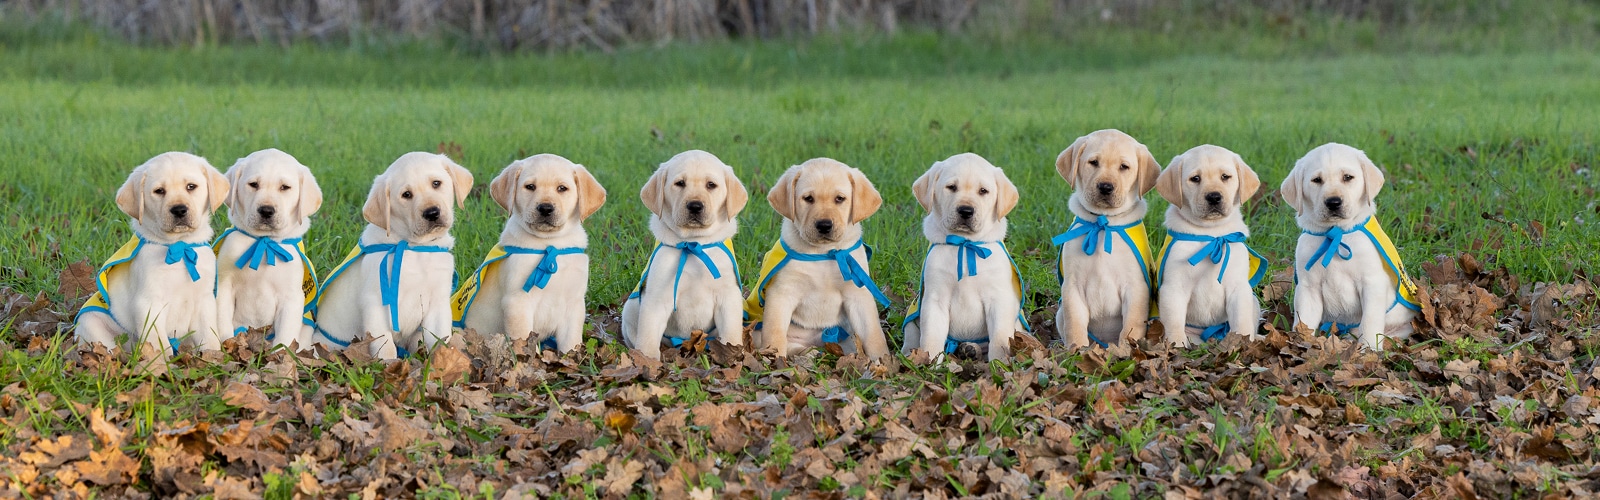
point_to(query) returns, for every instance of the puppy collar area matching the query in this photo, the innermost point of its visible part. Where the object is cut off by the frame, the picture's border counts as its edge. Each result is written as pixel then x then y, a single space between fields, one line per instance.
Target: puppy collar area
pixel 687 249
pixel 914 312
pixel 1333 244
pixel 1217 249
pixel 967 252
pixel 461 301
pixel 1094 233
pixel 781 255
pixel 388 277
pixel 263 250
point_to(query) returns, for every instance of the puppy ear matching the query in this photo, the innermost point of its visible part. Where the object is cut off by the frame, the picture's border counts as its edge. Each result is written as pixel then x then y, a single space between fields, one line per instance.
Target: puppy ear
pixel 1170 183
pixel 865 199
pixel 504 187
pixel 591 195
pixel 737 195
pixel 310 195
pixel 1290 189
pixel 234 186
pixel 654 191
pixel 781 196
pixel 1006 195
pixel 130 197
pixel 1373 177
pixel 923 187
pixel 1149 170
pixel 376 210
pixel 217 188
pixel 460 179
pixel 1249 182
pixel 1067 162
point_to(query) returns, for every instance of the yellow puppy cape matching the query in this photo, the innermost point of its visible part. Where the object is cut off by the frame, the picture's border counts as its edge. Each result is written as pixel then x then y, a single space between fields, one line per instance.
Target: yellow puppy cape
pixel 388 282
pixel 461 301
pixel 1333 246
pixel 967 254
pixel 781 255
pixel 686 250
pixel 1100 235
pixel 1219 250
pixel 270 251
pixel 100 302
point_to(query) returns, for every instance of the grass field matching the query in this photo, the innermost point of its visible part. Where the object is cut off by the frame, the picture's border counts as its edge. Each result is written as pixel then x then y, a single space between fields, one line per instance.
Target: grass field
pixel 1488 152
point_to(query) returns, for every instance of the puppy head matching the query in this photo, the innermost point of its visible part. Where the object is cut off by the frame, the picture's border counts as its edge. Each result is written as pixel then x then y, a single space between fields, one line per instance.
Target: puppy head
pixel 270 192
pixel 172 195
pixel 822 197
pixel 1333 183
pixel 694 193
pixel 1109 169
pixel 965 194
pixel 1207 183
pixel 413 198
pixel 547 193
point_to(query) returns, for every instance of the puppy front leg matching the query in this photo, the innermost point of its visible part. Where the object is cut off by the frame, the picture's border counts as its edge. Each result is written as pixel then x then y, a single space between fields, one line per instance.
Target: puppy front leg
pixel 518 309
pixel 436 323
pixel 1244 313
pixel 654 312
pixel 730 314
pixel 570 334
pixel 1373 309
pixel 375 323
pixel 861 312
pixel 286 323
pixel 1307 307
pixel 1072 319
pixel 1000 316
pixel 1135 316
pixel 935 325
pixel 204 326
pixel 1174 304
pixel 775 324
pixel 226 305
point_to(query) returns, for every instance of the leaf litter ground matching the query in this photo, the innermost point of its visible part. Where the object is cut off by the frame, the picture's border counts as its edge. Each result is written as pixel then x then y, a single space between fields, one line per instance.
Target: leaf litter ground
pixel 1496 396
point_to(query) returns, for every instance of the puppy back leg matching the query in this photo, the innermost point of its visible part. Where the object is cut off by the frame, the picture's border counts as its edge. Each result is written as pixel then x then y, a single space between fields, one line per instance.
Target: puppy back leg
pixel 1175 312
pixel 97 327
pixel 730 313
pixel 861 312
pixel 1000 316
pixel 775 323
pixel 913 337
pixel 1072 320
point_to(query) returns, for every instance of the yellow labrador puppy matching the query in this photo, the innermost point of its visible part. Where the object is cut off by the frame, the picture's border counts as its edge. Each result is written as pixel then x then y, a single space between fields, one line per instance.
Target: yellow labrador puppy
pixel 395 285
pixel 532 284
pixel 1348 273
pixel 158 287
pixel 971 289
pixel 1206 274
pixel 815 286
pixel 1105 255
pixel 264 278
pixel 692 280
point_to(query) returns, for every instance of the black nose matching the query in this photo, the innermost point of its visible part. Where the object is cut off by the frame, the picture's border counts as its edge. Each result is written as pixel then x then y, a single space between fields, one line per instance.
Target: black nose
pixel 545 209
pixel 266 211
pixel 824 226
pixel 1105 187
pixel 431 214
pixel 1333 203
pixel 965 211
pixel 179 210
pixel 1213 198
pixel 695 207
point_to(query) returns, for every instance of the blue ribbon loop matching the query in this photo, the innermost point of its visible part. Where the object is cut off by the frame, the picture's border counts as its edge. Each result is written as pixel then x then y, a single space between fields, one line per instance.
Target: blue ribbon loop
pixel 184 252
pixel 849 269
pixel 540 277
pixel 1213 332
pixel 1332 244
pixel 967 252
pixel 389 273
pixel 1216 248
pixel 697 250
pixel 265 250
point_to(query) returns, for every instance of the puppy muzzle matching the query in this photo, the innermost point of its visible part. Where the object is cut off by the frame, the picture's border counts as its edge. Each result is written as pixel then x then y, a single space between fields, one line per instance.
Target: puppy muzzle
pixel 824 230
pixel 1333 208
pixel 694 215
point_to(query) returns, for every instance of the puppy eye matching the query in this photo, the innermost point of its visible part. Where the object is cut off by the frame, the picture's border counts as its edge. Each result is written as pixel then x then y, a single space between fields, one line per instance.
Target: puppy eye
pixel 1226 177
pixel 983 191
pixel 191 186
pixel 436 184
pixel 561 189
pixel 255 185
pixel 161 191
pixel 1316 180
pixel 809 199
pixel 711 185
pixel 406 195
pixel 838 199
pixel 951 187
pixel 1348 177
pixel 284 187
pixel 529 187
pixel 1094 163
pixel 1194 179
pixel 1124 167
pixel 680 184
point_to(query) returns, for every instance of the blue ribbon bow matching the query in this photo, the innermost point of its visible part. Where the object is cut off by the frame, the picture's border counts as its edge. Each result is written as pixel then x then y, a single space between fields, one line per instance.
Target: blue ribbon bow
pixel 1093 233
pixel 1216 248
pixel 698 251
pixel 547 264
pixel 389 273
pixel 265 250
pixel 968 252
pixel 1332 244
pixel 849 269
pixel 184 252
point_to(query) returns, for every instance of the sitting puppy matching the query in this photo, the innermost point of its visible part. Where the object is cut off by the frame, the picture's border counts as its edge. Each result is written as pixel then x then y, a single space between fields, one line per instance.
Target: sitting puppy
pixel 815 287
pixel 692 279
pixel 395 285
pixel 1348 273
pixel 1201 300
pixel 1105 258
pixel 532 284
pixel 971 288
pixel 264 278
pixel 159 286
